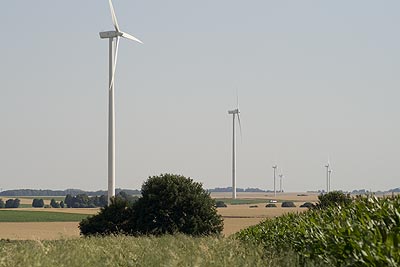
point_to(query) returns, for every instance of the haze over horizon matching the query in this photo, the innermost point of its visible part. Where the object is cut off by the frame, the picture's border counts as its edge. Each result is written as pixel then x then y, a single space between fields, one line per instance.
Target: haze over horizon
pixel 316 80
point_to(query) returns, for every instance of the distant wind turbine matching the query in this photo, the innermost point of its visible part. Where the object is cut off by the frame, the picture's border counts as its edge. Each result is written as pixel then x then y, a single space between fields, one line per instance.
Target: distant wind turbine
pixel 327 166
pixel 113 37
pixel 274 167
pixel 280 182
pixel 234 113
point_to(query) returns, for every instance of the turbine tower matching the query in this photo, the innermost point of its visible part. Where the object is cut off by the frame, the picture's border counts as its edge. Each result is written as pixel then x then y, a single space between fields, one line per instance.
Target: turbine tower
pixel 234 113
pixel 327 176
pixel 113 37
pixel 329 179
pixel 274 167
pixel 280 182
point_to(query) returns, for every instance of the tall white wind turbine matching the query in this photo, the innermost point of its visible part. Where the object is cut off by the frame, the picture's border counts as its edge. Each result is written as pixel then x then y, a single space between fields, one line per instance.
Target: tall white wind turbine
pixel 113 37
pixel 234 113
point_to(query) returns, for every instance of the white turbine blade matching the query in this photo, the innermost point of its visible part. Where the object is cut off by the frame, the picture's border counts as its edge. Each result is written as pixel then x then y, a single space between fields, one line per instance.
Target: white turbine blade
pixel 130 37
pixel 113 16
pixel 240 127
pixel 115 62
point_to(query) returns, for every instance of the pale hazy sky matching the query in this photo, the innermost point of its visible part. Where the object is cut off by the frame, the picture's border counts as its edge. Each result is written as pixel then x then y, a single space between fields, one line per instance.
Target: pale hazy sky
pixel 316 79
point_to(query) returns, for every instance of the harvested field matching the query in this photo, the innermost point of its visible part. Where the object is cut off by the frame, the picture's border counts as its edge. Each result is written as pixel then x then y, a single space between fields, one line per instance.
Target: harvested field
pixel 39 230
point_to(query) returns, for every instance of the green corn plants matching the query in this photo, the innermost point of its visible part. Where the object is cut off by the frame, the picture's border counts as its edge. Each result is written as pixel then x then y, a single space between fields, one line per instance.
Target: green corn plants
pixel 365 232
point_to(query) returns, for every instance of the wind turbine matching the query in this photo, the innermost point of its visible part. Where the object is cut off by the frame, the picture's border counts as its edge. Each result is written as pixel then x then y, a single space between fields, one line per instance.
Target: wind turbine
pixel 274 167
pixel 327 166
pixel 329 179
pixel 113 37
pixel 280 182
pixel 234 113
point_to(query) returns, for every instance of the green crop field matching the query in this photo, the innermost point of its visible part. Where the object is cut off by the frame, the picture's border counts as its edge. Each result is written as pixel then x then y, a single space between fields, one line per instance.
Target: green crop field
pixel 242 201
pixel 141 251
pixel 39 216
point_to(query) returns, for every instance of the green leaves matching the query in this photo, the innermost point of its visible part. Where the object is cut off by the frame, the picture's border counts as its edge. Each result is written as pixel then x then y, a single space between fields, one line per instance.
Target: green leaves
pixel 363 232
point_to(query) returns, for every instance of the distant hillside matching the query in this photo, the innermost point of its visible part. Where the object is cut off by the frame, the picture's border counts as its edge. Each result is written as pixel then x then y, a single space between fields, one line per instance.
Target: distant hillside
pixel 55 193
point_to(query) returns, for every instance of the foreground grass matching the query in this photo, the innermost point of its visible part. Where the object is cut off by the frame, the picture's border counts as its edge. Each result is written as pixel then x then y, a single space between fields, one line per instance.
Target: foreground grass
pixel 142 251
pixel 39 216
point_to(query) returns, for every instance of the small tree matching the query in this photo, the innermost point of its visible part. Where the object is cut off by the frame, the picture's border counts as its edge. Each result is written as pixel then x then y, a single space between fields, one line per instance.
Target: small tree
pixel 2 204
pixel 37 203
pixel 334 198
pixel 62 205
pixel 54 203
pixel 288 204
pixel 12 203
pixel 220 204
pixel 169 204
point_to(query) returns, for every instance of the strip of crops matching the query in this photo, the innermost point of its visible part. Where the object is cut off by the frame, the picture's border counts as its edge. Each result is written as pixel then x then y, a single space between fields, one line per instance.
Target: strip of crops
pixel 363 233
pixel 39 216
pixel 177 250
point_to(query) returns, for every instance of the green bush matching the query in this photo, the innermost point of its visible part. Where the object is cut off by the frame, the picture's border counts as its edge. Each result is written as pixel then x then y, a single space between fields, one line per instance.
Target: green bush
pixel 270 205
pixel 288 204
pixel 37 203
pixel 307 205
pixel 220 204
pixel 365 232
pixel 12 203
pixel 169 204
pixel 2 204
pixel 334 198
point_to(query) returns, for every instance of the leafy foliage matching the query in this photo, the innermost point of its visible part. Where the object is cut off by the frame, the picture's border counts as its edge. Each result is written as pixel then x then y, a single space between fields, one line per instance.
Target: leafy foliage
pixel 169 204
pixel 37 203
pixel 270 205
pixel 220 204
pixel 84 201
pixel 2 204
pixel 334 198
pixel 12 203
pixel 288 204
pixel 307 205
pixel 54 203
pixel 365 232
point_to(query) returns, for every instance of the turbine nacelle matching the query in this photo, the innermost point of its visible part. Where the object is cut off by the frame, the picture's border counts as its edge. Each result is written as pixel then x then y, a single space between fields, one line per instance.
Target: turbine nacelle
pixel 235 111
pixel 110 34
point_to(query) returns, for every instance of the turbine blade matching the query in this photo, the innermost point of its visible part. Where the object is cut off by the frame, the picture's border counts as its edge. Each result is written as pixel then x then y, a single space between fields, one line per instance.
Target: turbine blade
pixel 130 37
pixel 113 16
pixel 115 62
pixel 240 127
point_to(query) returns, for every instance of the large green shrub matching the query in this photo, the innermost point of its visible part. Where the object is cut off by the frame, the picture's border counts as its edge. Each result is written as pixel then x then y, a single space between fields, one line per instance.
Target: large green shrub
pixel 12 203
pixel 288 204
pixel 2 204
pixel 37 203
pixel 169 204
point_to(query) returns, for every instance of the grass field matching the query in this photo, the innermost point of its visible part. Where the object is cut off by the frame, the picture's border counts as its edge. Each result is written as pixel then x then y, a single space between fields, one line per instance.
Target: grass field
pixel 35 216
pixel 143 251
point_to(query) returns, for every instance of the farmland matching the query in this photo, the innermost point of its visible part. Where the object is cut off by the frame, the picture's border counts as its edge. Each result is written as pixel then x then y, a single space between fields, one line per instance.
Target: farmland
pixel 44 224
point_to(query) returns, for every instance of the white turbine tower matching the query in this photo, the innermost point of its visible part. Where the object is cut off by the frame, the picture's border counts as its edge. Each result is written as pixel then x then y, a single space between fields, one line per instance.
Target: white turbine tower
pixel 280 182
pixel 274 167
pixel 113 37
pixel 234 113
pixel 327 166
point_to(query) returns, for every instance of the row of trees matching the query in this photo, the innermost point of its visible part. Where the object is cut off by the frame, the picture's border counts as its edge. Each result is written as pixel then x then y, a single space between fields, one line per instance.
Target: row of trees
pixel 9 204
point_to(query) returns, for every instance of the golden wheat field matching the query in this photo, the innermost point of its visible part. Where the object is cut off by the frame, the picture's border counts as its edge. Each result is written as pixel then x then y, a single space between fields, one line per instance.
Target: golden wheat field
pixel 236 217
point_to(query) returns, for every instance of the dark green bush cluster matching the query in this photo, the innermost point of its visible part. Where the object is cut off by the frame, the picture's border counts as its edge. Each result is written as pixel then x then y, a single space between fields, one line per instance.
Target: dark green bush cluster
pixel 2 204
pixel 37 203
pixel 56 205
pixel 288 204
pixel 334 198
pixel 12 203
pixel 307 205
pixel 220 204
pixel 169 204
pixel 270 205
pixel 365 232
pixel 84 201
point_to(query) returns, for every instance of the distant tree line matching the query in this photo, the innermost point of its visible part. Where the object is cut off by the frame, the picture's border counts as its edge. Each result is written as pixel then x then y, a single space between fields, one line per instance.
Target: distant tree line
pixel 60 193
pixel 229 189
pixel 9 204
pixel 84 201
